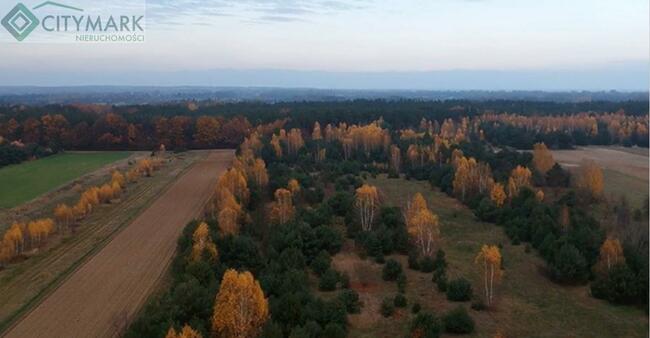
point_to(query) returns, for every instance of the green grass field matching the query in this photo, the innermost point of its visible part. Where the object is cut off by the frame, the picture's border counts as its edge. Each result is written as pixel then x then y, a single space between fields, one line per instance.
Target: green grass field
pixel 23 182
pixel 527 303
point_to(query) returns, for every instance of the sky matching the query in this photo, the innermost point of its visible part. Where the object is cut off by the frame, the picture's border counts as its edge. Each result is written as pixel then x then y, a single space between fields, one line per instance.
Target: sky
pixel 423 44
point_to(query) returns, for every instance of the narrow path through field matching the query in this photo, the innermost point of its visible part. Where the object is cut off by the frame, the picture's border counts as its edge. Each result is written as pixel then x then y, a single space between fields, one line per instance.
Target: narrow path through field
pixel 114 283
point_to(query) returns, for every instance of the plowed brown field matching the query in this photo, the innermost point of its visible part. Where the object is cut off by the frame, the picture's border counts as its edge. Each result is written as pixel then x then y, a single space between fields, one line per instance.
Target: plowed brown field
pixel 113 284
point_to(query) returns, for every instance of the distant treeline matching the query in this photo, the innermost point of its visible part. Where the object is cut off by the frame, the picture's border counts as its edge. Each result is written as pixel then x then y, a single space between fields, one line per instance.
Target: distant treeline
pixel 131 95
pixel 399 113
pixel 29 131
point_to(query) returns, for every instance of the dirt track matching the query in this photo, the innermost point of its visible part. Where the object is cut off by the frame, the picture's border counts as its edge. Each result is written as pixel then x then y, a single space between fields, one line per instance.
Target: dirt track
pixel 115 282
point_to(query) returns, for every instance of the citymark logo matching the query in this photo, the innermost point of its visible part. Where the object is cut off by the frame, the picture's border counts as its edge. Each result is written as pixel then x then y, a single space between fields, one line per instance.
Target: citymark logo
pixel 110 21
pixel 20 22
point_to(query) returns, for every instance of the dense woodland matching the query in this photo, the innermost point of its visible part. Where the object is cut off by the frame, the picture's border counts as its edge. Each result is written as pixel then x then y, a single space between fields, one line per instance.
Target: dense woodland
pixel 35 131
pixel 292 197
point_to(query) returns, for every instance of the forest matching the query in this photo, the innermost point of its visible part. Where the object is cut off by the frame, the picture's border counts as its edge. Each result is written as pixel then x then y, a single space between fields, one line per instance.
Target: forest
pixel 261 262
pixel 28 132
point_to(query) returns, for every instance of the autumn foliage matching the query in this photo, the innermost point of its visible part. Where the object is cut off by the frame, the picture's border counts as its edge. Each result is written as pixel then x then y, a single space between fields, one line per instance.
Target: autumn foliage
pixel 294 141
pixel 259 174
pixel 363 139
pixel 489 258
pixel 230 193
pixel 202 243
pixel 33 234
pixel 589 180
pixel 611 253
pixel 64 215
pixel 207 128
pixel 498 194
pixel 234 180
pixel 228 212
pixel 471 177
pixel 367 202
pixel 422 224
pixel 186 332
pixel 395 159
pixel 21 237
pixel 519 177
pixel 542 158
pixel 13 242
pixel 277 147
pixel 118 178
pixel 240 309
pixel 294 186
pixel 282 209
pixel 619 126
pixel 39 230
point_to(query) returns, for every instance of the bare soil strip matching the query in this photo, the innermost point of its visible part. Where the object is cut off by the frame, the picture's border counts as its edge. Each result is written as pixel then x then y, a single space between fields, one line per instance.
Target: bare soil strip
pixel 112 285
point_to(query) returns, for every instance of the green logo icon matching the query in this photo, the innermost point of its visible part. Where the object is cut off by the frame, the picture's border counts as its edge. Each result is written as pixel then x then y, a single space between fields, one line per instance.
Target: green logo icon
pixel 20 22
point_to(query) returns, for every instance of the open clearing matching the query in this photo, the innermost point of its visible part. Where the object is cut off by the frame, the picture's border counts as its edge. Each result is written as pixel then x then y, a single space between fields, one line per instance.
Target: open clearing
pixel 23 182
pixel 627 162
pixel 527 303
pixel 625 169
pixel 99 297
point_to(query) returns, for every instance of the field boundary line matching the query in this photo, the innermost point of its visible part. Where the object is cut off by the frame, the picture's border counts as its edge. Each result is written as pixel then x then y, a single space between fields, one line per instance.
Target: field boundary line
pixel 26 309
pixel 147 299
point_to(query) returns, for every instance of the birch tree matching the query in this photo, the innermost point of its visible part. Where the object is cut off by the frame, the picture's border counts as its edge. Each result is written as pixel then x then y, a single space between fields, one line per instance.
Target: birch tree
pixel 489 258
pixel 367 200
pixel 240 309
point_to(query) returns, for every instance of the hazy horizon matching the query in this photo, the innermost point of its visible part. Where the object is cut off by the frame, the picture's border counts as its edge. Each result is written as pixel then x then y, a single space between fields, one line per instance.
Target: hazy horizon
pixel 360 44
pixel 631 77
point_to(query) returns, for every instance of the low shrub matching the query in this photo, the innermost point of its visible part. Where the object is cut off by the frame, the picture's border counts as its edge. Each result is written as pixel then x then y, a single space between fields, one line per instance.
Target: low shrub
pixel 427 264
pixel 425 325
pixel 333 330
pixel 299 332
pixel 401 283
pixel 459 290
pixel 387 307
pixel 391 270
pixel 437 274
pixel 478 304
pixel 458 321
pixel 321 262
pixel 440 263
pixel 413 261
pixel 350 299
pixel 619 286
pixel 400 300
pixel 328 280
pixel 344 278
pixel 441 283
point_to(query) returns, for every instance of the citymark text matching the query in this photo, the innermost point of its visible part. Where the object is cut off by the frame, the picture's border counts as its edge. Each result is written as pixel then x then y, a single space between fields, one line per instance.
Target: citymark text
pixel 86 23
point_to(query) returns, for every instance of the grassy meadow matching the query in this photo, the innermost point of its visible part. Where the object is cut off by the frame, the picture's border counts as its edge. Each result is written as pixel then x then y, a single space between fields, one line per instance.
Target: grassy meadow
pixel 22 182
pixel 527 303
